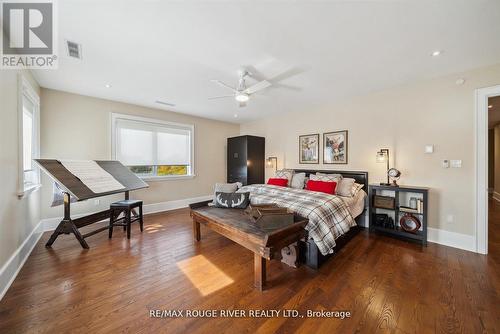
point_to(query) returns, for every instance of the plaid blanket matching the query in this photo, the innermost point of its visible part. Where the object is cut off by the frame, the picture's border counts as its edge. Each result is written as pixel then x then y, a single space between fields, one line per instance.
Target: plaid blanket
pixel 328 215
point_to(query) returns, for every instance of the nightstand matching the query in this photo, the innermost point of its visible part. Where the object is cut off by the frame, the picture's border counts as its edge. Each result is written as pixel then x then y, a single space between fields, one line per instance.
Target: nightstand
pixel 389 204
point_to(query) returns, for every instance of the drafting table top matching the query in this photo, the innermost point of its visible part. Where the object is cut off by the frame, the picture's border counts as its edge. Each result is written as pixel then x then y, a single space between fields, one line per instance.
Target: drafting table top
pixel 80 191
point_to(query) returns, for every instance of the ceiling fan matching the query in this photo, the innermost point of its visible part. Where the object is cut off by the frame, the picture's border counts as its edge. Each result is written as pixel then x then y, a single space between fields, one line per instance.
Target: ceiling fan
pixel 241 93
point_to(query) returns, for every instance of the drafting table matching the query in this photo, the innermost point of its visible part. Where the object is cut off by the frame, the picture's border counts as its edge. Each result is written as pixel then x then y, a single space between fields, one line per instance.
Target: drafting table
pixel 74 187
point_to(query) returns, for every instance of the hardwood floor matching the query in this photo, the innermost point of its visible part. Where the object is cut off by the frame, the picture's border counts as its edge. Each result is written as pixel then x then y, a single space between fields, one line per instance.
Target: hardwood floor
pixel 386 284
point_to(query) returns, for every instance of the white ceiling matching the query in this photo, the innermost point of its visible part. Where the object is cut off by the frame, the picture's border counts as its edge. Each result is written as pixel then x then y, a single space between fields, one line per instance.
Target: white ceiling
pixel 315 53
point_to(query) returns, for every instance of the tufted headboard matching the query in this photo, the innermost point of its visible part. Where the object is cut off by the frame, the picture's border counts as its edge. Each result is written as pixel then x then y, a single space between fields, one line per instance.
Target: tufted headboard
pixel 360 177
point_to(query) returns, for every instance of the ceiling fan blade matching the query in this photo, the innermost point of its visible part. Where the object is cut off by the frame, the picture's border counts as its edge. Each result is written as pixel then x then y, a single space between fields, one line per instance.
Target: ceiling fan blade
pixel 220 97
pixel 289 87
pixel 220 83
pixel 258 86
pixel 291 72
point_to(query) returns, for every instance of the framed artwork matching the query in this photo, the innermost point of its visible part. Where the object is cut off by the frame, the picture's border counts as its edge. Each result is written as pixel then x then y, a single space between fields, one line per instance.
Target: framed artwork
pixel 335 147
pixel 309 149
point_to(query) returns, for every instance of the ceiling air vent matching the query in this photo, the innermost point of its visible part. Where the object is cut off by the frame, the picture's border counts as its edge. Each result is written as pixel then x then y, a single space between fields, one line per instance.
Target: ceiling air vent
pixel 74 50
pixel 165 103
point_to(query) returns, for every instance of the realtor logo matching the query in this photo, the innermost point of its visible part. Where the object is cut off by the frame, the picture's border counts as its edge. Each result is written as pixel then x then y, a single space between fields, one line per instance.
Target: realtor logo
pixel 28 35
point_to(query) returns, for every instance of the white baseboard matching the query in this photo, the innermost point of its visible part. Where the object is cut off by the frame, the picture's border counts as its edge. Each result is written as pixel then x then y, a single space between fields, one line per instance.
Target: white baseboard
pixel 172 205
pixel 496 196
pixel 452 239
pixel 12 267
pixel 50 224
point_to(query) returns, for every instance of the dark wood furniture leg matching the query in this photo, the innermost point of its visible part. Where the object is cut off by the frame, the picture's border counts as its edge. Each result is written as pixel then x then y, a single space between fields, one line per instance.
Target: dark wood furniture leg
pixel 55 234
pixel 78 236
pixel 128 214
pixel 67 226
pixel 196 231
pixel 111 220
pixel 141 219
pixel 259 271
pixel 127 197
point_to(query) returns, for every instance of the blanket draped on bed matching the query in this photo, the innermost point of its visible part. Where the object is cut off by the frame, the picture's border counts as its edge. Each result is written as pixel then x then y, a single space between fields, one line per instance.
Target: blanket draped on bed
pixel 328 215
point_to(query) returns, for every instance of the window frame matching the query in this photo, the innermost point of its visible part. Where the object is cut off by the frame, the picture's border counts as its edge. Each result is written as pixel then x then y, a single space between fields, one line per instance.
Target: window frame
pixel 26 91
pixel 190 127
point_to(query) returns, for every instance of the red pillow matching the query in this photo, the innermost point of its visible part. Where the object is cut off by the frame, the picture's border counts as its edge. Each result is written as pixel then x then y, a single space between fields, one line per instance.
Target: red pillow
pixel 278 182
pixel 321 186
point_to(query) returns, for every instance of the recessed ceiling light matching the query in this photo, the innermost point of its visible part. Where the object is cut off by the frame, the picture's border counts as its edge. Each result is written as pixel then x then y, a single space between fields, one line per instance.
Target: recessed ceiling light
pixel 436 53
pixel 490 106
pixel 107 85
pixel 235 115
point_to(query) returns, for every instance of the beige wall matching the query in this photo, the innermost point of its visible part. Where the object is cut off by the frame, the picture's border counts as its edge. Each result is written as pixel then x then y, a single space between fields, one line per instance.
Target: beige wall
pixel 404 119
pixel 78 127
pixel 18 216
pixel 497 161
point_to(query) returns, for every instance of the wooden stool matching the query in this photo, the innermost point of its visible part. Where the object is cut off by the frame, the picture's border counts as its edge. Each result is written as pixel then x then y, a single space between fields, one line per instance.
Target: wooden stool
pixel 126 207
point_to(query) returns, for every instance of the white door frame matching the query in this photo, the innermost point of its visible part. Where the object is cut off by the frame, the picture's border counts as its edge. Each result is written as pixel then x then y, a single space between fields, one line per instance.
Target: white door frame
pixel 482 95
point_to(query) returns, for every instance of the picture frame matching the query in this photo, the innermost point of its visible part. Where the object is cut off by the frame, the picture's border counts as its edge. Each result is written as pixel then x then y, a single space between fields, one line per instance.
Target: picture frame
pixel 309 149
pixel 335 147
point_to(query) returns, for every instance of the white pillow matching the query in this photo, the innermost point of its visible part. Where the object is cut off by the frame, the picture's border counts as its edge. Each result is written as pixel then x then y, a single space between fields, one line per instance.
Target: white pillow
pixel 298 180
pixel 285 174
pixel 326 177
pixel 344 187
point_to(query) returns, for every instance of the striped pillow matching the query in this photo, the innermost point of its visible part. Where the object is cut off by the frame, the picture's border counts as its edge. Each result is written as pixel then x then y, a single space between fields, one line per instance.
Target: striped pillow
pixel 285 174
pixel 356 188
pixel 326 177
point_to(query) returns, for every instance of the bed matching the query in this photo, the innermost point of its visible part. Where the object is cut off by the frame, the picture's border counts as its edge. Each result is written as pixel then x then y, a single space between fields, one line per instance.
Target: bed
pixel 333 220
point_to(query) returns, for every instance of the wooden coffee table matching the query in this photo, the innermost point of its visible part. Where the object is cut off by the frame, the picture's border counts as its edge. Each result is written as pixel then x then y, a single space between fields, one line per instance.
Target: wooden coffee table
pixel 234 224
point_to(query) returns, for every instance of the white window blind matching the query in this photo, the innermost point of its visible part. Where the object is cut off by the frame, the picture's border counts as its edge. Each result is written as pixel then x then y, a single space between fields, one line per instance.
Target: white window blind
pixel 158 144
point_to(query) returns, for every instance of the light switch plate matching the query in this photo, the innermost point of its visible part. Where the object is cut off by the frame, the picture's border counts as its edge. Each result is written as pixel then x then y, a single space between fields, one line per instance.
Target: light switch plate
pixel 456 163
pixel 429 149
pixel 446 164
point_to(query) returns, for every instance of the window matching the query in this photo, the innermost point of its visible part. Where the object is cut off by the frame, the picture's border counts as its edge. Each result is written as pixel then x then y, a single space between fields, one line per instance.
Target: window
pixel 29 139
pixel 153 148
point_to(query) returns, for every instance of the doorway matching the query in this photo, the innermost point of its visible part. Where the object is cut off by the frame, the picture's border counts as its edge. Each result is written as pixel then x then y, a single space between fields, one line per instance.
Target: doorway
pixel 485 161
pixel 493 174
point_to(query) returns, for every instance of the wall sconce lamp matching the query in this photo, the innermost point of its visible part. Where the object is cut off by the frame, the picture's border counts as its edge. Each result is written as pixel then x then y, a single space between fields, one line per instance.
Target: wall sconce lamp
pixel 383 156
pixel 272 162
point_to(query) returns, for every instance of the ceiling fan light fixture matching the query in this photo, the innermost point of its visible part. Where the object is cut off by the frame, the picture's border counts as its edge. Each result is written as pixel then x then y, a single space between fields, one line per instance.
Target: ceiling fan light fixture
pixel 241 97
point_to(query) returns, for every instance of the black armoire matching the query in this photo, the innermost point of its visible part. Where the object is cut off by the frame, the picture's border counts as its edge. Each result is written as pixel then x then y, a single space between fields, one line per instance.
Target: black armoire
pixel 245 159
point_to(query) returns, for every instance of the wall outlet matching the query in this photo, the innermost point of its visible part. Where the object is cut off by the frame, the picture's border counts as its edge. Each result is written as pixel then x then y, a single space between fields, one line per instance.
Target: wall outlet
pixel 97 201
pixel 456 163
pixel 429 149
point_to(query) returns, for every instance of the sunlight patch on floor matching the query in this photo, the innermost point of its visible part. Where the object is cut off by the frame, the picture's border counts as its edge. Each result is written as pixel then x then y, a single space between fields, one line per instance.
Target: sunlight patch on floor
pixel 153 228
pixel 204 275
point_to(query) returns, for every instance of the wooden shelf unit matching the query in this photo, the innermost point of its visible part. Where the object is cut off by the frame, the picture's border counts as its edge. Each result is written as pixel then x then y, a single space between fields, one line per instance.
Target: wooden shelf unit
pixel 397 231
